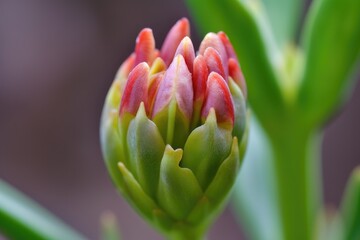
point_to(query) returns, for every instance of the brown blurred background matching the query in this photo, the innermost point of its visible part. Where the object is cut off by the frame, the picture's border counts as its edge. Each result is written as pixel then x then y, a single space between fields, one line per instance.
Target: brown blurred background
pixel 57 61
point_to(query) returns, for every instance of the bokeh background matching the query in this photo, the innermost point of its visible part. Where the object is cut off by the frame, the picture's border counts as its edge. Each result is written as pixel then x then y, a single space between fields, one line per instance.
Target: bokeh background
pixel 57 61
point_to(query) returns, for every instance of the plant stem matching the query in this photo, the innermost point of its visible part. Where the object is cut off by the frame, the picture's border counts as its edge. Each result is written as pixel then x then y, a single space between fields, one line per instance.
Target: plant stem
pixel 298 178
pixel 185 233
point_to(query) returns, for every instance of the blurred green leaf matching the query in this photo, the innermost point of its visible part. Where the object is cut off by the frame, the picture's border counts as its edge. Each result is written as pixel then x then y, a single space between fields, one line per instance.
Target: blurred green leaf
pixel 253 45
pixel 255 191
pixel 21 218
pixel 284 17
pixel 350 207
pixel 331 40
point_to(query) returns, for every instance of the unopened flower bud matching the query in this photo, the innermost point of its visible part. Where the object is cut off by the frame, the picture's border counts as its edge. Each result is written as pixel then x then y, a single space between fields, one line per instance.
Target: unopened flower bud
pixel 173 128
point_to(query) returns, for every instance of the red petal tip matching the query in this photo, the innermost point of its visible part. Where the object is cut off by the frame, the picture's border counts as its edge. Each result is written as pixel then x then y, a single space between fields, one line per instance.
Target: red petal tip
pixel 145 46
pixel 237 75
pixel 135 90
pixel 200 76
pixel 180 30
pixel 219 98
pixel 214 62
pixel 186 49
pixel 214 41
pixel 228 46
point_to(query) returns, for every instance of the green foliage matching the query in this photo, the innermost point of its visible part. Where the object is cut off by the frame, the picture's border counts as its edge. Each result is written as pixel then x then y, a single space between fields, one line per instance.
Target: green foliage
pixel 293 89
pixel 21 218
pixel 331 42
pixel 350 209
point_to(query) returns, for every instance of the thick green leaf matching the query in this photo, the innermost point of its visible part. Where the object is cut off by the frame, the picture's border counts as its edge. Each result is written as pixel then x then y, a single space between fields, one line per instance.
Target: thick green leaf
pixel 252 46
pixel 350 207
pixel 331 41
pixel 255 190
pixel 21 218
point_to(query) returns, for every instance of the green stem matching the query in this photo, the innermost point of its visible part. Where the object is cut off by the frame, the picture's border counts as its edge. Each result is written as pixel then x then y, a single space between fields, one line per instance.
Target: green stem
pixel 186 233
pixel 298 178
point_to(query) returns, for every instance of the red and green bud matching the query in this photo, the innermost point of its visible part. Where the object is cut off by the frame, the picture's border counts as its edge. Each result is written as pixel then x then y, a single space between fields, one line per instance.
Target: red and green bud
pixel 173 128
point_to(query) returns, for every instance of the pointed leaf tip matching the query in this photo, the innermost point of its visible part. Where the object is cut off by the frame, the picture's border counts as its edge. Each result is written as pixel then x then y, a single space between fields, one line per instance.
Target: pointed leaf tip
pixel 135 90
pixel 180 30
pixel 145 47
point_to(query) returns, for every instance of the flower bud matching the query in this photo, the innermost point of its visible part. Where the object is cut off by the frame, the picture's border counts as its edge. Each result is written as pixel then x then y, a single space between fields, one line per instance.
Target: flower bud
pixel 173 128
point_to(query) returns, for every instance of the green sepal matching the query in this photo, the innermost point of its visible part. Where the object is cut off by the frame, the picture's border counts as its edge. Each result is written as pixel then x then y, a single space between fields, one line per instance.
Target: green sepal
pixel 173 125
pixel 331 40
pixel 206 148
pixel 122 129
pixel 109 136
pixel 225 176
pixel 218 190
pixel 146 148
pixel 350 207
pixel 178 189
pixel 135 194
pixel 240 109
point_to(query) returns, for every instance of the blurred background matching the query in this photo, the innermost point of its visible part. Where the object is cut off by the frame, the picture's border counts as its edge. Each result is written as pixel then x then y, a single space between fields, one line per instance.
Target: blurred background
pixel 57 61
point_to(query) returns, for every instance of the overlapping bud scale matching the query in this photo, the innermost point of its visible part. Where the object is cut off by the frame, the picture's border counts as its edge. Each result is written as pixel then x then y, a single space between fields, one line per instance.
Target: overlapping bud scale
pixel 173 127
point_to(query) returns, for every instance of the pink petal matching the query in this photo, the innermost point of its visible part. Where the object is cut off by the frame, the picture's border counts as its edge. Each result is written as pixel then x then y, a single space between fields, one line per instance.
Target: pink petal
pixel 218 97
pixel 127 65
pixel 135 90
pixel 228 46
pixel 237 75
pixel 214 63
pixel 180 30
pixel 177 83
pixel 155 81
pixel 200 76
pixel 145 47
pixel 186 49
pixel 214 41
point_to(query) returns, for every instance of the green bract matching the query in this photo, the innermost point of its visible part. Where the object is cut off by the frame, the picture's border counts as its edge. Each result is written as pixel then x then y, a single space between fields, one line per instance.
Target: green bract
pixel 173 129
